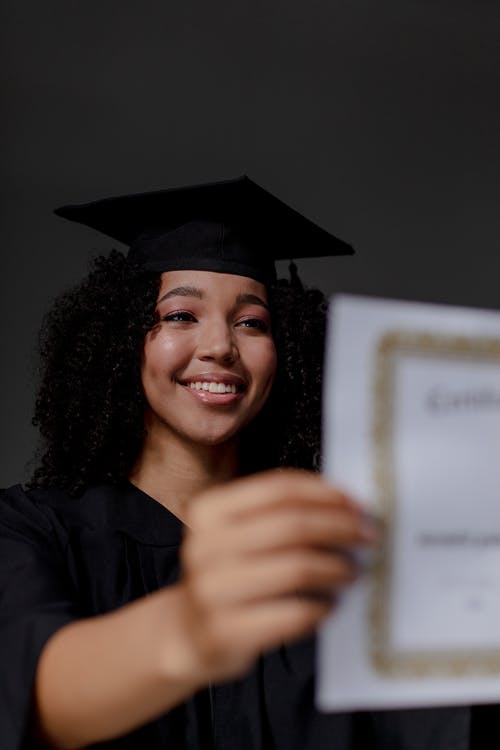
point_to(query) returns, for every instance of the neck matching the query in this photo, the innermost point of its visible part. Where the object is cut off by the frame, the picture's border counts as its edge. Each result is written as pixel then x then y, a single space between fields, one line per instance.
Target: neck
pixel 173 472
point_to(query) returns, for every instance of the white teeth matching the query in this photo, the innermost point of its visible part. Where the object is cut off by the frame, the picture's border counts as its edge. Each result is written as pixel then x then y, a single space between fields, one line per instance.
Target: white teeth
pixel 212 387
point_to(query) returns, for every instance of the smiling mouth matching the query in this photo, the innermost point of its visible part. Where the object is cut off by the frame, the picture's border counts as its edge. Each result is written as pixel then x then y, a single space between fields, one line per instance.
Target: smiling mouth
pixel 214 386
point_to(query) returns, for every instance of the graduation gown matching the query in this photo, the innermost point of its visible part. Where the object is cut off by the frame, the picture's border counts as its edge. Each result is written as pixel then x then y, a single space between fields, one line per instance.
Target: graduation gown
pixel 62 559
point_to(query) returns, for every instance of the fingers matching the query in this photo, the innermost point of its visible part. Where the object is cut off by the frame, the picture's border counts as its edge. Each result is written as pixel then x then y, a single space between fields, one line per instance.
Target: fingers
pixel 268 625
pixel 270 576
pixel 228 642
pixel 265 491
pixel 261 561
pixel 284 528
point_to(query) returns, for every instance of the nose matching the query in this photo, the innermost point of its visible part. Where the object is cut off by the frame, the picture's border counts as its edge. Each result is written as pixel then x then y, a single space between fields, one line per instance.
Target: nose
pixel 217 343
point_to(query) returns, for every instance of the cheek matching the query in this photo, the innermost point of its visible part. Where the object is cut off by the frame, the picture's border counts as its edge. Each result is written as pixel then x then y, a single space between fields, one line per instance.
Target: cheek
pixel 265 363
pixel 163 354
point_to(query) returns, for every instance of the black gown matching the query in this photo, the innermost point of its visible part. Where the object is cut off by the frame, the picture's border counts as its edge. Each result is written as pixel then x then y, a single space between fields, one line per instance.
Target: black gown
pixel 62 559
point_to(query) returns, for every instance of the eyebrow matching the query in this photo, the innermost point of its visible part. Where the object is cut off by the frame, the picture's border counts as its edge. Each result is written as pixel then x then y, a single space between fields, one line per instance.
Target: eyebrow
pixel 251 299
pixel 192 291
pixel 182 291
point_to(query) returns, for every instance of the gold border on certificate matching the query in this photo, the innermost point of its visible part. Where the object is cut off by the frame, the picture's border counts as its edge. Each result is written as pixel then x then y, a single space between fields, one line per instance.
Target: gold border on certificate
pixel 391 346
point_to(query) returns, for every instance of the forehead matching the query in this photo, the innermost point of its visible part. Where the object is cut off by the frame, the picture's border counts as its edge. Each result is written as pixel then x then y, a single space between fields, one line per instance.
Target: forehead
pixel 212 284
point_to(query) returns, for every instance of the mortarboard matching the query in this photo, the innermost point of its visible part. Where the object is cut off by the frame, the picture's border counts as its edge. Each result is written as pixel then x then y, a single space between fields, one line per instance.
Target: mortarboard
pixel 233 226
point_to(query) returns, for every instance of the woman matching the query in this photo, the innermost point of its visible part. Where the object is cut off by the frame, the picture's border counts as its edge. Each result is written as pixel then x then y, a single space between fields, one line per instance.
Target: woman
pixel 153 596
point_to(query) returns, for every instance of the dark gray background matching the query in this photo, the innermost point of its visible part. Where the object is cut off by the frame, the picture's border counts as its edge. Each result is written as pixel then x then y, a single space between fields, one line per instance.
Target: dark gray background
pixel 380 120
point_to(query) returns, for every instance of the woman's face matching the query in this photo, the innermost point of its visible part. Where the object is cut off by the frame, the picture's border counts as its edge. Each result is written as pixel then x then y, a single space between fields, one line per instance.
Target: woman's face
pixel 210 361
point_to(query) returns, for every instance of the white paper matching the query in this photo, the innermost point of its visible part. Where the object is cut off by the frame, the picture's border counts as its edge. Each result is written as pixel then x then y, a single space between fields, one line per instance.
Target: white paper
pixel 412 428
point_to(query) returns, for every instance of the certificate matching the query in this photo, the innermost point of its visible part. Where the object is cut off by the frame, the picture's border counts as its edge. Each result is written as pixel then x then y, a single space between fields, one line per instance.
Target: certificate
pixel 412 428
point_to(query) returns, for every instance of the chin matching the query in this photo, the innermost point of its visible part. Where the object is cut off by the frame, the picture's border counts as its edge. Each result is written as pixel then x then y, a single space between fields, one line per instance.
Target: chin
pixel 216 439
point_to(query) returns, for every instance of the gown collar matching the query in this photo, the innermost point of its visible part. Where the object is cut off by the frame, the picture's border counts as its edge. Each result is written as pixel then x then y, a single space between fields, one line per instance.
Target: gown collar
pixel 137 514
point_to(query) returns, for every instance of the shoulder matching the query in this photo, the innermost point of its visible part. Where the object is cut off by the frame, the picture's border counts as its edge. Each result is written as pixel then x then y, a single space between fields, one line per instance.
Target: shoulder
pixel 24 511
pixel 56 516
pixel 45 512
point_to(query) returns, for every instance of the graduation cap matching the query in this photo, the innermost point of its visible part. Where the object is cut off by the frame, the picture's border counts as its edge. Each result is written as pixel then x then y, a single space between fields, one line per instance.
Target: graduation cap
pixel 234 226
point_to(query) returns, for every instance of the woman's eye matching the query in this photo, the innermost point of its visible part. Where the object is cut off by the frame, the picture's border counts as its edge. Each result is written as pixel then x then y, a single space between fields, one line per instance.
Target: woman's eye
pixel 180 317
pixel 256 323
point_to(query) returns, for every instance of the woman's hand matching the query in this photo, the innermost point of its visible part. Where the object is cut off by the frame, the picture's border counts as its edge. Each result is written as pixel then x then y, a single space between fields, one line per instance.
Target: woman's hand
pixel 260 563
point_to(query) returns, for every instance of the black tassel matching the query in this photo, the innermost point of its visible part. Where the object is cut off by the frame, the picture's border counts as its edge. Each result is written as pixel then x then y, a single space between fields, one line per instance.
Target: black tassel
pixel 294 277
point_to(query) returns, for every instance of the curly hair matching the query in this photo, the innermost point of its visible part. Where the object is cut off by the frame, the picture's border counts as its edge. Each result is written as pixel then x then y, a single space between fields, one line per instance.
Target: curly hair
pixel 90 405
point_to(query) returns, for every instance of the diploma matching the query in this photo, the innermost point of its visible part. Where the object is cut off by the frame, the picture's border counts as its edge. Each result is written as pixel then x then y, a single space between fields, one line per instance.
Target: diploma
pixel 412 428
